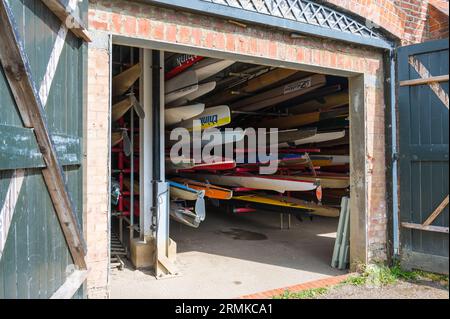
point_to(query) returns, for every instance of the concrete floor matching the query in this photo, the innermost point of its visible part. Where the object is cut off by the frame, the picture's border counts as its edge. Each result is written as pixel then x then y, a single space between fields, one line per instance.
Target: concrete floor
pixel 229 256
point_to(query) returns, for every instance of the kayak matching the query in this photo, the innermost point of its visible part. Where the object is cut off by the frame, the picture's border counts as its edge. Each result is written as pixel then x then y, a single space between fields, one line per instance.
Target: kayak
pixel 178 114
pixel 202 90
pixel 290 202
pixel 180 63
pixel 211 117
pixel 182 192
pixel 211 191
pixel 209 67
pixel 122 82
pixel 280 94
pixel 262 182
pixel 317 138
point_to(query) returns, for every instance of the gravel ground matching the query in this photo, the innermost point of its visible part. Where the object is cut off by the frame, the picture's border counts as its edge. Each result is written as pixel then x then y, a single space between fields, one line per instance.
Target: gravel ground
pixel 423 289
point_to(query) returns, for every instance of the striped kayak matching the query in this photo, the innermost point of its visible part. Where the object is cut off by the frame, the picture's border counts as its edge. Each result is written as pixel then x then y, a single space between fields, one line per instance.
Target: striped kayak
pixel 211 191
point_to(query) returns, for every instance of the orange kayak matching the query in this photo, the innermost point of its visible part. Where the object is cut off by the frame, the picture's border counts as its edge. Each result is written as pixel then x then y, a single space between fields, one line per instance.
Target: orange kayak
pixel 211 191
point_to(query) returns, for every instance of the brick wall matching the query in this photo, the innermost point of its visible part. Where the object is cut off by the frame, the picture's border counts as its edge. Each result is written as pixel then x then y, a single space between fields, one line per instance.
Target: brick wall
pixel 166 25
pixel 438 19
pixel 97 170
pixel 411 21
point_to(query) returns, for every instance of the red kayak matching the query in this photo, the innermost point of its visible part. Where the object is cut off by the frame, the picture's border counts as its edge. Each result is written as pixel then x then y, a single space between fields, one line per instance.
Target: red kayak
pixel 181 63
pixel 219 166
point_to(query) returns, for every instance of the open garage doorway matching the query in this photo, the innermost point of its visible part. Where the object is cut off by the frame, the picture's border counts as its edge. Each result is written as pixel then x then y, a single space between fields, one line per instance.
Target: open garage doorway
pixel 231 226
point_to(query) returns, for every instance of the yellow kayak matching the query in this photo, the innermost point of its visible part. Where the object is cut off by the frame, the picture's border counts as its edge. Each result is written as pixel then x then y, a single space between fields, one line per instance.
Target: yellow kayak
pixel 291 203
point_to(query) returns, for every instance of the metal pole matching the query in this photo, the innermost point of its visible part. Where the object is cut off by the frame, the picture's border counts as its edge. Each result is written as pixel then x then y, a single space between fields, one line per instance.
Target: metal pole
pixel 132 163
pixel 395 220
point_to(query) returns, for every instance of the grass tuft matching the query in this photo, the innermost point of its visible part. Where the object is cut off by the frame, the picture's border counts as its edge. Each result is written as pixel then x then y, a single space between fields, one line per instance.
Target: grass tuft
pixel 305 294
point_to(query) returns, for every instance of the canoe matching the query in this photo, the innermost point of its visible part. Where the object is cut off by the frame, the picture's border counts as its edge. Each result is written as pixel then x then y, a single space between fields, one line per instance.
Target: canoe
pixel 184 80
pixel 317 138
pixel 290 140
pixel 337 159
pixel 286 164
pixel 178 114
pixel 218 166
pixel 202 90
pixel 179 163
pixel 290 203
pixel 119 109
pixel 178 94
pixel 332 160
pixel 323 103
pixel 298 120
pixel 287 136
pixel 280 94
pixel 180 63
pixel 184 215
pixel 182 192
pixel 122 82
pixel 294 135
pixel 326 181
pixel 211 117
pixel 261 182
pixel 226 137
pixel 211 191
pixel 253 85
pixel 209 67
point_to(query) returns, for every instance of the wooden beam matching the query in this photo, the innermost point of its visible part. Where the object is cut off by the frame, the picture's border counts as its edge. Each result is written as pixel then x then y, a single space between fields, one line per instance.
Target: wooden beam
pixel 71 285
pixel 18 73
pixel 436 229
pixel 68 17
pixel 436 212
pixel 421 81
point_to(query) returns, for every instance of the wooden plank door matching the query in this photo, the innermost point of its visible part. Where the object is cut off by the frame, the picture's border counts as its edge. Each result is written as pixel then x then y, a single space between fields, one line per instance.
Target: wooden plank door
pixel 423 155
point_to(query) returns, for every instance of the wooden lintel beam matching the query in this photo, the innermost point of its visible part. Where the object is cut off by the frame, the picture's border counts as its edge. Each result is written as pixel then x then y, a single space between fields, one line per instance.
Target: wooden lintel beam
pixel 436 229
pixel 17 70
pixel 421 81
pixel 73 23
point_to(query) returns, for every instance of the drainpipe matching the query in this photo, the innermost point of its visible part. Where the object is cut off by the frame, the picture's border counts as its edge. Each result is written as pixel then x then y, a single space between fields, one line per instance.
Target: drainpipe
pixel 393 238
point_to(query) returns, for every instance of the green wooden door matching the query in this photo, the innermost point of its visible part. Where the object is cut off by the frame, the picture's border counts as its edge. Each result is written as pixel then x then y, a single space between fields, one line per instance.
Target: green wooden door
pixel 423 155
pixel 34 256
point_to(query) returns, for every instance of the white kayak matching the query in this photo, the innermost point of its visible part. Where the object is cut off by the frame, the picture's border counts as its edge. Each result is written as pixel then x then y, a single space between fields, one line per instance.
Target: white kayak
pixel 260 182
pixel 202 90
pixel 209 67
pixel 317 138
pixel 178 114
pixel 211 117
pixel 180 86
pixel 176 95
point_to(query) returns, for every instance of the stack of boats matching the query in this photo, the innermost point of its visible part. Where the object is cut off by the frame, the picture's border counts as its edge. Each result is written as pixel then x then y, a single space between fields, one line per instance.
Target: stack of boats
pixel 310 112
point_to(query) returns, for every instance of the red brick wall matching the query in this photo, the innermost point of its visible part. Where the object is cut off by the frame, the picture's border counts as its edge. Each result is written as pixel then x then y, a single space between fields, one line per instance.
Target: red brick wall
pixel 438 19
pixel 411 21
pixel 384 13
